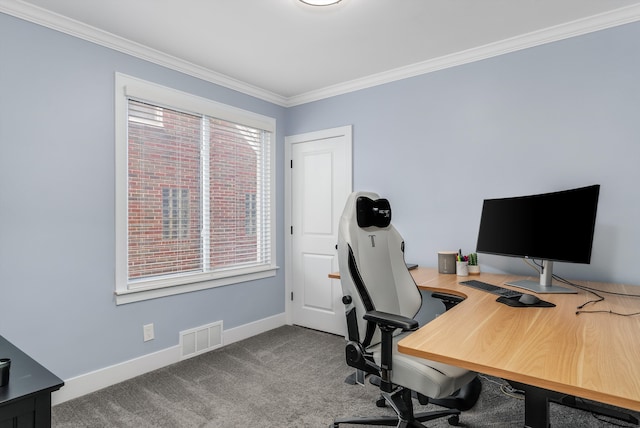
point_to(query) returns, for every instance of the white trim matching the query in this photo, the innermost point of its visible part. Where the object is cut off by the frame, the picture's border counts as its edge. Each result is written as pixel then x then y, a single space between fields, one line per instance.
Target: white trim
pixel 289 141
pixel 93 381
pixel 83 31
pixel 107 376
pixel 129 86
pixel 575 28
pixel 133 291
pixel 75 28
pixel 132 295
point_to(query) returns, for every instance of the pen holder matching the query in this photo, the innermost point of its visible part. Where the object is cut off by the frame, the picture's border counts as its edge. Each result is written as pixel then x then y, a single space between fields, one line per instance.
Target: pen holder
pixel 5 365
pixel 462 268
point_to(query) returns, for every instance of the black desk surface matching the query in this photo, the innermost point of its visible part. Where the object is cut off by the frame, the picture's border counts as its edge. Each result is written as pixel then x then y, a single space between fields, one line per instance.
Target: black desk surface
pixel 27 377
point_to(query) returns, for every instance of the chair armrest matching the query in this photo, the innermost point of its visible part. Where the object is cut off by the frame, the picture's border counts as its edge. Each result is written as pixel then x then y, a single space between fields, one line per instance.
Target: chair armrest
pixel 391 320
pixel 387 323
pixel 449 300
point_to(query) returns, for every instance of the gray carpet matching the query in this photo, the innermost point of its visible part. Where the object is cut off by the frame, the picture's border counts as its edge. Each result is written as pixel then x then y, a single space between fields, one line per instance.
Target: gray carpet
pixel 287 377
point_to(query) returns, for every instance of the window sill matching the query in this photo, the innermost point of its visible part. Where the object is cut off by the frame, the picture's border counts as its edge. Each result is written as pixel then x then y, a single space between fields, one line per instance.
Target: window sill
pixel 148 292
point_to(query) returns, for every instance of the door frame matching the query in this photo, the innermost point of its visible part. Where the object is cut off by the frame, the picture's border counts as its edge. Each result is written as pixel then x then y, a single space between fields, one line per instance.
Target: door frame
pixel 289 141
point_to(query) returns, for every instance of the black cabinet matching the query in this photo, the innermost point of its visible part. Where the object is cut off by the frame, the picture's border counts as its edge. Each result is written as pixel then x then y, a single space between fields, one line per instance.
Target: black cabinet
pixel 26 400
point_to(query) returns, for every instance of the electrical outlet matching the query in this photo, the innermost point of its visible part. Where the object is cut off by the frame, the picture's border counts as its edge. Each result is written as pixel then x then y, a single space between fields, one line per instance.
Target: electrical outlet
pixel 147 331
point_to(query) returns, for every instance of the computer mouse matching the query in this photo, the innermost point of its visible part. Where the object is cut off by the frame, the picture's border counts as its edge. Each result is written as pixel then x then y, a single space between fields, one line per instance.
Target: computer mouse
pixel 529 299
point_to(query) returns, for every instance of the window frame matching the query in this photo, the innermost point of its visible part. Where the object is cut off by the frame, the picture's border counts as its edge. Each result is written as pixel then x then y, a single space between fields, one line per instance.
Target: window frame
pixel 131 291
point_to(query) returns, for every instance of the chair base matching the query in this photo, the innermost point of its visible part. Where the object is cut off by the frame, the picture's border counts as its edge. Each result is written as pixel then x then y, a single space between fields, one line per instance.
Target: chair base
pixel 390 421
pixel 400 401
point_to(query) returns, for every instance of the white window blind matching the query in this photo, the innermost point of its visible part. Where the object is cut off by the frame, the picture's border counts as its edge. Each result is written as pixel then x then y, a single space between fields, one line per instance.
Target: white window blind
pixel 198 193
pixel 164 193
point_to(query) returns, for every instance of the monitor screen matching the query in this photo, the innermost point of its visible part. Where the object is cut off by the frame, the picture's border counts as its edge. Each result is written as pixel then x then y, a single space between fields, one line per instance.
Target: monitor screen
pixel 554 226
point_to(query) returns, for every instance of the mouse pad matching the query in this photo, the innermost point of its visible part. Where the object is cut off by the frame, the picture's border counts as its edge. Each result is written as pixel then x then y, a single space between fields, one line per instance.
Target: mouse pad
pixel 514 302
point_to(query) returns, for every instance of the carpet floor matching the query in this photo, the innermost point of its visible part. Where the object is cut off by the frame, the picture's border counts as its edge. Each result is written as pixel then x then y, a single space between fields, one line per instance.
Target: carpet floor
pixel 287 377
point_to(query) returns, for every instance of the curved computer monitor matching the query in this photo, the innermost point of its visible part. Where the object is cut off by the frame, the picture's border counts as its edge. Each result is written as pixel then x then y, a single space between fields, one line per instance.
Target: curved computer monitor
pixel 551 227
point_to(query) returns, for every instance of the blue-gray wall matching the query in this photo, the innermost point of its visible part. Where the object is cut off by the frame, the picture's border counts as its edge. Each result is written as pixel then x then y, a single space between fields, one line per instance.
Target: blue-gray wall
pixel 547 118
pixel 57 181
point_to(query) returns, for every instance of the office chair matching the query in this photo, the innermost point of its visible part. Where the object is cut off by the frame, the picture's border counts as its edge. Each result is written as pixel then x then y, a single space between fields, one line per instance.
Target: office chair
pixel 381 299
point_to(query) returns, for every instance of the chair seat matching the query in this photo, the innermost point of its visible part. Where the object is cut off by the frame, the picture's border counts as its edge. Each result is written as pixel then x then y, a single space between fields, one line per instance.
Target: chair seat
pixel 430 378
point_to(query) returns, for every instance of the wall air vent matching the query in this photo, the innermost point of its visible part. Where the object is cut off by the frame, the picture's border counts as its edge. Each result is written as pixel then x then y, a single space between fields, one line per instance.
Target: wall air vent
pixel 201 339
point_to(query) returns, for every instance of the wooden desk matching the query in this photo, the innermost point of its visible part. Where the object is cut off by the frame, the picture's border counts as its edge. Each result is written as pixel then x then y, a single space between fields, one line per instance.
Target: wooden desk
pixel 26 400
pixel 593 356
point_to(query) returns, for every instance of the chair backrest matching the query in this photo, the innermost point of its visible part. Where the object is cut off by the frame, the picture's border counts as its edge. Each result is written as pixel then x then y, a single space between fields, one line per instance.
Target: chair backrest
pixel 373 272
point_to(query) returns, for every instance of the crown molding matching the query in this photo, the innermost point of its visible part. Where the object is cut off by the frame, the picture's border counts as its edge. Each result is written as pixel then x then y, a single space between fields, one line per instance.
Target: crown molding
pixel 75 28
pixel 552 34
pixel 66 25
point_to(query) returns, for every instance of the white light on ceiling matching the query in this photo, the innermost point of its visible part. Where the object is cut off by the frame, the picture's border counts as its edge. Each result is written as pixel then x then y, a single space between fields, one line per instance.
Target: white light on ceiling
pixel 320 2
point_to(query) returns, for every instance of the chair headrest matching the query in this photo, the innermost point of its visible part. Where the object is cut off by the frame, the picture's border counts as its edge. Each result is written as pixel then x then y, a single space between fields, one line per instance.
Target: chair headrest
pixel 373 213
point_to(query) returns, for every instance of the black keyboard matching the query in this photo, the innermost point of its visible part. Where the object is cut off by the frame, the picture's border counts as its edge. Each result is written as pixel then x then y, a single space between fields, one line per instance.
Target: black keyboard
pixel 490 288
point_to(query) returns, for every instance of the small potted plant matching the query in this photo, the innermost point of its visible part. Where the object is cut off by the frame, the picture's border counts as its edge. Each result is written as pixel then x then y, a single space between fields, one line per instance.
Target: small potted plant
pixel 474 269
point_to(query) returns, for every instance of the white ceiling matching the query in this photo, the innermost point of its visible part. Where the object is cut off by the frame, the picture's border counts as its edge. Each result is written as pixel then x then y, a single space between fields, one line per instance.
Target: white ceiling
pixel 288 50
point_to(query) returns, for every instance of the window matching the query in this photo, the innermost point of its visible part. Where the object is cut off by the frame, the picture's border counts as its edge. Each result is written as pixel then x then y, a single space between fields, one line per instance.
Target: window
pixel 175 213
pixel 250 214
pixel 194 192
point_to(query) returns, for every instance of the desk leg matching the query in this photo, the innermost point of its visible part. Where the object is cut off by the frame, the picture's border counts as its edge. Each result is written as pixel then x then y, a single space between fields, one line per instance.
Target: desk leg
pixel 536 404
pixel 592 407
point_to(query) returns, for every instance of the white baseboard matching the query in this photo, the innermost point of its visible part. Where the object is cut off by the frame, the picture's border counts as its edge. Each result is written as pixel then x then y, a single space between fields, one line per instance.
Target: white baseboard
pixel 89 382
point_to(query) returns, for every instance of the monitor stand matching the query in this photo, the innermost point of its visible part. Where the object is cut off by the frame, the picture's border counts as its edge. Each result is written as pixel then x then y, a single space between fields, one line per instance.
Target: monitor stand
pixel 545 285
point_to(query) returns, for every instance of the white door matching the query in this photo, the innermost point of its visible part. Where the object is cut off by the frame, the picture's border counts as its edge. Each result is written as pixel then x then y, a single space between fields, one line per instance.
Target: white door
pixel 320 181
